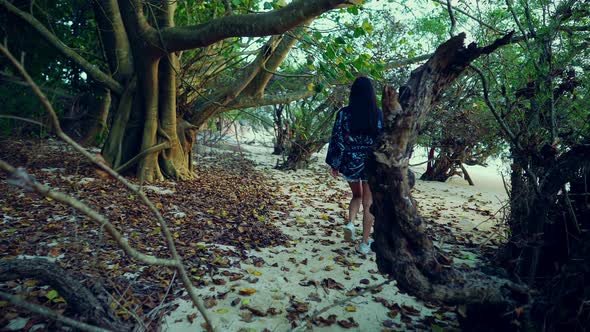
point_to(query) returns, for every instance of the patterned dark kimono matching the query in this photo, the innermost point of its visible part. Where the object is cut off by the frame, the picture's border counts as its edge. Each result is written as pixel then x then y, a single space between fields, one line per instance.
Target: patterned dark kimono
pixel 348 153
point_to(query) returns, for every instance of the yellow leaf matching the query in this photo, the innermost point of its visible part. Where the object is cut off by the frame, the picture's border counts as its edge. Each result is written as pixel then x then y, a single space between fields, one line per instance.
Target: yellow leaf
pixel 310 86
pixel 247 291
pixel 324 216
pixel 6 209
pixel 3 304
pixel 222 311
pixel 49 198
pixel 350 308
pixel 30 283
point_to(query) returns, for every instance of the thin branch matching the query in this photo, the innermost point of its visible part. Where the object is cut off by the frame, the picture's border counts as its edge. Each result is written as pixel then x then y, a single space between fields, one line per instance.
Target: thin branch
pixel 405 62
pixel 459 10
pixel 45 312
pixel 266 100
pixel 509 3
pixel 486 95
pixel 507 131
pixel 3 116
pixel 228 9
pixel 134 160
pixel 452 18
pixel 20 178
pixel 285 74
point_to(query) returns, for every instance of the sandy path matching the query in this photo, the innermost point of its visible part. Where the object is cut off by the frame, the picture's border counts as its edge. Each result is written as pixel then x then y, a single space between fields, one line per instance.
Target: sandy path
pixel 320 268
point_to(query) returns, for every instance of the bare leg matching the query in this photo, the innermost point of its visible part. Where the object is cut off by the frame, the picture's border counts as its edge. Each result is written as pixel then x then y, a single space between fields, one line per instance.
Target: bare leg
pixel 368 218
pixel 355 202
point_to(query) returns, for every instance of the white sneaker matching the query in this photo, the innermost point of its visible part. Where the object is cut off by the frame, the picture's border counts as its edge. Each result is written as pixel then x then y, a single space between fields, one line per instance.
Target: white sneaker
pixel 349 233
pixel 364 248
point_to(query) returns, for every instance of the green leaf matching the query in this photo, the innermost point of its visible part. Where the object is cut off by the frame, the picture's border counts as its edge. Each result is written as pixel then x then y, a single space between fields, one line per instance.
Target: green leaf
pixel 340 40
pixel 354 10
pixel 358 32
pixel 52 294
pixel 330 53
pixel 367 26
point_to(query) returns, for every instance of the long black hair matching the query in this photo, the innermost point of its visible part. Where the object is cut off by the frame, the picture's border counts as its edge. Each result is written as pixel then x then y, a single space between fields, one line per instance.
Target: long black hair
pixel 363 107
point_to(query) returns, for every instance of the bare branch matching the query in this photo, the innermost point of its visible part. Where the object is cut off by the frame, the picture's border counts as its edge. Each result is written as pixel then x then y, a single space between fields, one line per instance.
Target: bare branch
pixel 459 10
pixel 405 62
pixel 227 5
pixel 452 18
pixel 19 177
pixel 504 126
pixel 13 117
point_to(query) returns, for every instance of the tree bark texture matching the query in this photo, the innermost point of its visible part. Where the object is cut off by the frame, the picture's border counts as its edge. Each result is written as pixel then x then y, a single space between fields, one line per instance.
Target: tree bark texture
pixel 403 248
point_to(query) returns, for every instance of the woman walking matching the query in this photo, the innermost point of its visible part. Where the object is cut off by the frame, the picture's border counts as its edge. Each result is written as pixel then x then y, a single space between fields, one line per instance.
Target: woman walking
pixel 355 130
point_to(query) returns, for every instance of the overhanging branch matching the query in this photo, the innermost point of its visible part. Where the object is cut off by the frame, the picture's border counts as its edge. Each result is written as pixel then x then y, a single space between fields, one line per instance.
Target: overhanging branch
pixel 252 25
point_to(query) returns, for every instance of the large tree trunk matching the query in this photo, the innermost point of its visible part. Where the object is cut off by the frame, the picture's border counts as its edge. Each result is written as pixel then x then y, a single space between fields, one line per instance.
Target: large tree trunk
pixel 300 154
pixel 146 136
pixel 447 163
pixel 281 130
pixel 95 124
pixel 403 248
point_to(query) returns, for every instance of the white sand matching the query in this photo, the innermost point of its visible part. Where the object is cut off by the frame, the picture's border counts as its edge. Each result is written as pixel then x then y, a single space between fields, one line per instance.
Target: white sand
pixel 315 226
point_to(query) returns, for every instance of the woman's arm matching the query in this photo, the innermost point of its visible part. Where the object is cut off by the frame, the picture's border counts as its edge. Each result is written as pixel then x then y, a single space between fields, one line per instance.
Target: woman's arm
pixel 336 146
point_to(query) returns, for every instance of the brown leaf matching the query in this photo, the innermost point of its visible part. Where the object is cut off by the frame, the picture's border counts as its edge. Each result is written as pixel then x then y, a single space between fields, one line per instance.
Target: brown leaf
pixel 332 284
pixel 219 281
pixel 210 302
pixel 392 314
pixel 246 316
pixel 323 322
pixel 348 323
pixel 254 311
pixel 191 317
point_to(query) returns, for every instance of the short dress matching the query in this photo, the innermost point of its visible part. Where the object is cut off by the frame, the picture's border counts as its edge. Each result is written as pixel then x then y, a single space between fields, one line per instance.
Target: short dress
pixel 349 153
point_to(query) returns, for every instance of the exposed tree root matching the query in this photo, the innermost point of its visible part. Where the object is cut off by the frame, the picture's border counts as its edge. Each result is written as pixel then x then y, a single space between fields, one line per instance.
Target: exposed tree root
pixel 82 303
